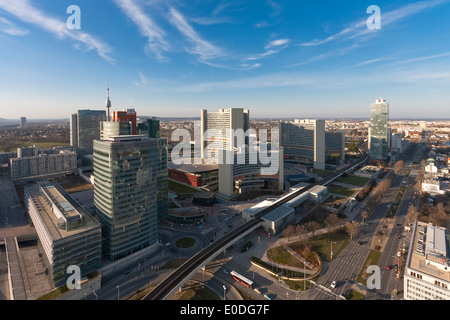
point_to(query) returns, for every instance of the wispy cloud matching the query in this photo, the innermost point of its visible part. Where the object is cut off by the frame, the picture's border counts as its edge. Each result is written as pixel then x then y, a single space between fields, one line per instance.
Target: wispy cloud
pixel 276 43
pixel 203 49
pixel 271 48
pixel 156 37
pixel 23 10
pixel 359 28
pixel 251 66
pixel 10 28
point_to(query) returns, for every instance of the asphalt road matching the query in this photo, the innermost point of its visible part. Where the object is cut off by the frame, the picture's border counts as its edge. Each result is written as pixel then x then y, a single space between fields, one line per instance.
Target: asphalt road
pixel 345 268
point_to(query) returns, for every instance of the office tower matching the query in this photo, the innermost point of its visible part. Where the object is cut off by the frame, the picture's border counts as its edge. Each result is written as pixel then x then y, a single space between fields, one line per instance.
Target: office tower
pixel 127 115
pixel 85 128
pixel 121 128
pixel 23 121
pixel 111 129
pixel 304 142
pixel 125 193
pixel 149 127
pixel 334 147
pixel 219 126
pixel 379 134
pixel 427 266
pixel 68 234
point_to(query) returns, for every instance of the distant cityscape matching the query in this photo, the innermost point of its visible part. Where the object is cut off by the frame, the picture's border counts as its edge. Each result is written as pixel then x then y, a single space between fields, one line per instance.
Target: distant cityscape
pixel 119 196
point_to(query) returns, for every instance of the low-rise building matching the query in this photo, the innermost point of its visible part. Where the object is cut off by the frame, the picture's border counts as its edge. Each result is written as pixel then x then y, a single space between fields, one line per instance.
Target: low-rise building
pixel 68 234
pixel 427 268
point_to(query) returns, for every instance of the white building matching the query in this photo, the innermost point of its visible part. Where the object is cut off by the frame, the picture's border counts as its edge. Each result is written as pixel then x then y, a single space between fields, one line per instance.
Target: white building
pixel 427 268
pixel 217 129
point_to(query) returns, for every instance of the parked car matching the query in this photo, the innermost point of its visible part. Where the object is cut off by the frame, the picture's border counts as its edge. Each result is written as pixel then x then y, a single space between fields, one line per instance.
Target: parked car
pixel 333 285
pixel 258 290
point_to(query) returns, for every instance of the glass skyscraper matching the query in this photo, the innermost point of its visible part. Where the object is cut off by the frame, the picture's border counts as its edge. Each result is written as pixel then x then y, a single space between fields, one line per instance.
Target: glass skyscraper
pixel 379 130
pixel 125 193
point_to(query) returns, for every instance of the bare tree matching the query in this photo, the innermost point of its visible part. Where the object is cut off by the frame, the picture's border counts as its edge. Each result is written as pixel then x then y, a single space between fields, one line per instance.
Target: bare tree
pixel 312 227
pixel 412 214
pixel 289 231
pixel 300 230
pixel 364 215
pixel 331 220
pixel 351 228
pixel 398 166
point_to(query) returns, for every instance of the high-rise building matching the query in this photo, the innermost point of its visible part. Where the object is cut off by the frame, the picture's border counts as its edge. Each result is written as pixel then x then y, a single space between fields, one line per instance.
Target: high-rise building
pixel 23 121
pixel 219 126
pixel 85 128
pixel 125 193
pixel 304 142
pixel 127 115
pixel 68 234
pixel 379 134
pixel 334 147
pixel 118 128
pixel 149 127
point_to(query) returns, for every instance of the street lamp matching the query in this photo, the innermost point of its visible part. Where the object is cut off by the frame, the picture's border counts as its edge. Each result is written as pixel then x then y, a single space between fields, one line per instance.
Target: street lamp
pixel 331 257
pixel 224 288
pixel 118 293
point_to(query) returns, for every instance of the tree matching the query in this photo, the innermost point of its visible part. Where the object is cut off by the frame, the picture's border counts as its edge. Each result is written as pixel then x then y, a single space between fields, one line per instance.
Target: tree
pixel 412 214
pixel 398 166
pixel 364 215
pixel 300 230
pixel 312 227
pixel 289 231
pixel 331 220
pixel 351 228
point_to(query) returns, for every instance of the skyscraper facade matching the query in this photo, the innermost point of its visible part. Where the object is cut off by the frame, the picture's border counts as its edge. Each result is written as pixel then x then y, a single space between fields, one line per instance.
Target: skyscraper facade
pixel 125 193
pixel 218 125
pixel 149 127
pixel 85 128
pixel 379 134
pixel 127 115
pixel 304 142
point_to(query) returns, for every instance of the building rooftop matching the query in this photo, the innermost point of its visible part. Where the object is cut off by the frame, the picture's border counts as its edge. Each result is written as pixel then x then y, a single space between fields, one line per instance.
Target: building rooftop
pixel 430 251
pixel 56 208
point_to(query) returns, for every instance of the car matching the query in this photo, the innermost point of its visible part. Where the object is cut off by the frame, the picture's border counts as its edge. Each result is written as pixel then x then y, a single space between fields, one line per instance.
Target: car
pixel 399 254
pixel 268 296
pixel 333 285
pixel 257 290
pixel 360 243
pixel 388 267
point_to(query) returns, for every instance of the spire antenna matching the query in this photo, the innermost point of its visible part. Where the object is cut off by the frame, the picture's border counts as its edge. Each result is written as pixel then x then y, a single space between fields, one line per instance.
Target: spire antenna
pixel 108 105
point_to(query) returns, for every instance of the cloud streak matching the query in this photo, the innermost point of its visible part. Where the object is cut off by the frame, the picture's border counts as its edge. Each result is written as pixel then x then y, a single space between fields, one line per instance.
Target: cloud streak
pixel 23 10
pixel 359 28
pixel 10 28
pixel 156 37
pixel 200 47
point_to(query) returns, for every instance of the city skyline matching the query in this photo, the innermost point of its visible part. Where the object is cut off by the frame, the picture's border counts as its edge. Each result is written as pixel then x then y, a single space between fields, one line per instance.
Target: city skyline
pixel 172 59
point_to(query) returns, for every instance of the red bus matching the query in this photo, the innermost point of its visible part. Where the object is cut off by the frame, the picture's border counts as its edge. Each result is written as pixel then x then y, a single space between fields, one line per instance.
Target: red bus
pixel 246 282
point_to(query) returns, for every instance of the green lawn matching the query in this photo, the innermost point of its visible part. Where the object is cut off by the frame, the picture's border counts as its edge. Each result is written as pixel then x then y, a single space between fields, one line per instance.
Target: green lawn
pixel 179 188
pixel 341 190
pixel 353 180
pixel 372 259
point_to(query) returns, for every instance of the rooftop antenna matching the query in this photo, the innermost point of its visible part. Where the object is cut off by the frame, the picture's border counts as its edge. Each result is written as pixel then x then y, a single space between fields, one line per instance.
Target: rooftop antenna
pixel 108 105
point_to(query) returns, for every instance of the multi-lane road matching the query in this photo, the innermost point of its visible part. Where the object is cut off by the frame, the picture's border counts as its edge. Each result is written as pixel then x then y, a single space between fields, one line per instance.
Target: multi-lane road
pixel 344 268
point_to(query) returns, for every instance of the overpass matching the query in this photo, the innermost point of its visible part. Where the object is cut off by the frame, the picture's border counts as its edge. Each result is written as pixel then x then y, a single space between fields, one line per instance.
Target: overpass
pixel 166 288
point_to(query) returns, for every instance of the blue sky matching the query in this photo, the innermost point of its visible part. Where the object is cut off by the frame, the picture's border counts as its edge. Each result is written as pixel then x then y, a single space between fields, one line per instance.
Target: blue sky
pixel 294 58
